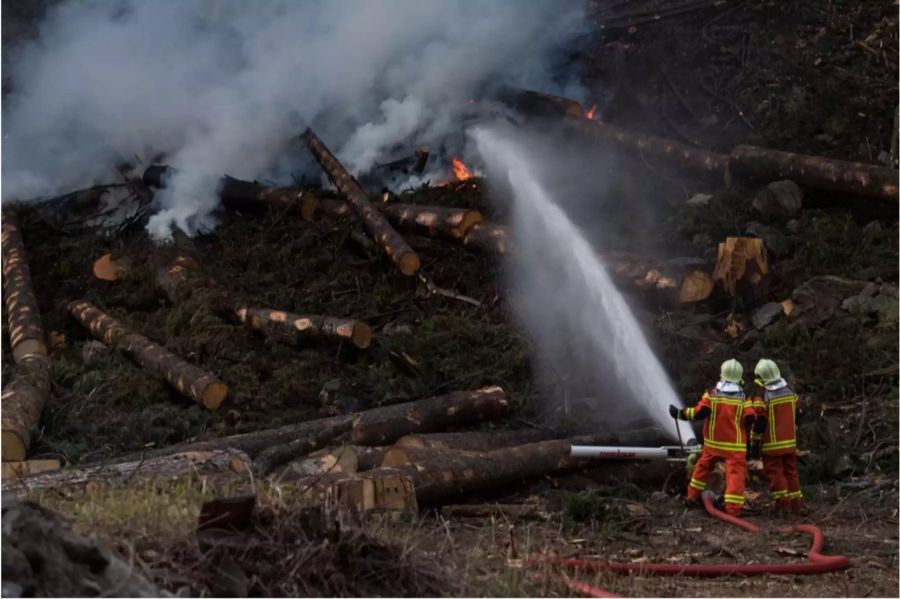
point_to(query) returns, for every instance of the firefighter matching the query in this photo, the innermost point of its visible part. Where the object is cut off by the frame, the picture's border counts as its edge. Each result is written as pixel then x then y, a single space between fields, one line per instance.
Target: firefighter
pixel 775 435
pixel 729 416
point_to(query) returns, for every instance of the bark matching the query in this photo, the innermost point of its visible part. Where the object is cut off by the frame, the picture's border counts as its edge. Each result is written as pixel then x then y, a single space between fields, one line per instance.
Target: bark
pixel 385 425
pixel 402 456
pixel 489 238
pixel 192 382
pixel 278 455
pixel 22 403
pixel 473 440
pixel 298 330
pixel 432 220
pixel 378 426
pixel 136 471
pixel 857 178
pixel 743 267
pixel 534 104
pixel 376 224
pixel 240 195
pixel 26 335
pixel 655 150
pixel 450 475
pixel 672 282
pixel 339 460
pixel 28 467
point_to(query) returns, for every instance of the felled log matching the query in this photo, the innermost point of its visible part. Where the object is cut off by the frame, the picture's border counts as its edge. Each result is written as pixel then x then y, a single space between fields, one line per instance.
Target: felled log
pixel 26 335
pixel 299 330
pixel 857 178
pixel 386 424
pixel 401 456
pixel 378 426
pixel 340 460
pixel 472 440
pixel 191 381
pixel 535 104
pixel 355 458
pixel 28 467
pixel 489 238
pixel 376 224
pixel 136 471
pixel 450 475
pixel 248 196
pixel 675 281
pixel 24 398
pixel 22 402
pixel 278 455
pixel 653 149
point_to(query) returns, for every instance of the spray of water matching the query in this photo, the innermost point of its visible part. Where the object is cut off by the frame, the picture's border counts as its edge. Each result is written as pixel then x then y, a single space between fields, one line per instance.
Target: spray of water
pixel 566 300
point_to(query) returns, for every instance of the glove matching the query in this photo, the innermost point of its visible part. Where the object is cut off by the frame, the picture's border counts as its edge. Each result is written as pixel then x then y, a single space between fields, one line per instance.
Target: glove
pixel 673 412
pixel 755 452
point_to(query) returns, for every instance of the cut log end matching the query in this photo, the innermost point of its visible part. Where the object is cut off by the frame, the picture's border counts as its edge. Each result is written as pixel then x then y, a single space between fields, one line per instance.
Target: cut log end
pixel 13 447
pixel 409 263
pixel 361 335
pixel 107 269
pixel 697 286
pixel 28 347
pixel 214 394
pixel 469 220
pixel 395 456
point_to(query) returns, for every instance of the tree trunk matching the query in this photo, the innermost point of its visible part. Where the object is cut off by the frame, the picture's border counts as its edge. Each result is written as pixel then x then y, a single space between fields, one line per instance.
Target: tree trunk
pixel 13 470
pixel 244 195
pixel 24 398
pixel 671 282
pixel 26 335
pixel 378 426
pixel 743 268
pixel 424 220
pixel 386 424
pixel 402 456
pixel 377 225
pixel 278 455
pixel 339 460
pixel 655 150
pixel 192 382
pixel 22 403
pixel 361 457
pixel 132 472
pixel 473 440
pixel 489 238
pixel 857 178
pixel 298 330
pixel 448 476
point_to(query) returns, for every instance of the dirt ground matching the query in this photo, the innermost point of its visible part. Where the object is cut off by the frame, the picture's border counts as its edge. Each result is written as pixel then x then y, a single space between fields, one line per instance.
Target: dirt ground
pixel 815 77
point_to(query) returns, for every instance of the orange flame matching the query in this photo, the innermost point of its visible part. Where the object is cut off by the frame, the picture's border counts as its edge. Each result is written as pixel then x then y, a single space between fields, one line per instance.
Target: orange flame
pixel 590 113
pixel 460 170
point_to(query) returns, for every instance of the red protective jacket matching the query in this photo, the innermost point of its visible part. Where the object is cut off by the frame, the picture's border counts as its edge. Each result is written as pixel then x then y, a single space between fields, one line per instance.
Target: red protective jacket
pixel 776 419
pixel 729 416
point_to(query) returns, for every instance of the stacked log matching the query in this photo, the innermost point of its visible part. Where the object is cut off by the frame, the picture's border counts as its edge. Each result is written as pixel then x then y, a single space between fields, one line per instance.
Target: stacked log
pixel 190 381
pixel 393 245
pixel 278 455
pixel 24 398
pixel 496 239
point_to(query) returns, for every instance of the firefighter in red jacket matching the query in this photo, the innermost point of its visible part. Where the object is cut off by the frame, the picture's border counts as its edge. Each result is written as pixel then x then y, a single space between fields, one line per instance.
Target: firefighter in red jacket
pixel 775 436
pixel 729 416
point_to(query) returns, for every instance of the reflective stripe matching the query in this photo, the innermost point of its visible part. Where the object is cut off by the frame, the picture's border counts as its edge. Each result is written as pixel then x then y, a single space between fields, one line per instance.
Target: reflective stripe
pixel 725 446
pixel 780 444
pixel 781 400
pixel 779 494
pixel 759 404
pixel 700 485
pixel 727 400
pixel 738 499
pixel 689 412
pixel 794 494
pixel 755 436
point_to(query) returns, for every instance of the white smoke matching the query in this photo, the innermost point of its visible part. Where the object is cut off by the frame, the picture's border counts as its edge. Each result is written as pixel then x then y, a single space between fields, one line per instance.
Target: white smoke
pixel 563 296
pixel 222 86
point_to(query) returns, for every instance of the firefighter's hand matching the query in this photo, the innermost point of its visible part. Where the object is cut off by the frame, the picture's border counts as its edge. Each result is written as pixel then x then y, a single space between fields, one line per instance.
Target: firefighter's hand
pixel 673 412
pixel 755 450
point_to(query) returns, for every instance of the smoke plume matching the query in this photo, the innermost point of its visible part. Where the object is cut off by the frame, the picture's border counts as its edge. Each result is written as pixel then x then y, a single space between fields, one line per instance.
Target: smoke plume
pixel 223 86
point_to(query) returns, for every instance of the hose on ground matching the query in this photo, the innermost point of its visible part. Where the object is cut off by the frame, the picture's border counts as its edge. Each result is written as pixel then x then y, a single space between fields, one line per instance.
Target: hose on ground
pixel 816 562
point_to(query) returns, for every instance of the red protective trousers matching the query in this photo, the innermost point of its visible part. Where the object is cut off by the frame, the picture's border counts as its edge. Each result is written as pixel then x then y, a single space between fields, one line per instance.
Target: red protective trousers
pixel 784 481
pixel 735 477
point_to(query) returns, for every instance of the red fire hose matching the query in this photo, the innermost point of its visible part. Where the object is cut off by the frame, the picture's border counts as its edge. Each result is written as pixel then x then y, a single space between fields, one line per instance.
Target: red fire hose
pixel 816 564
